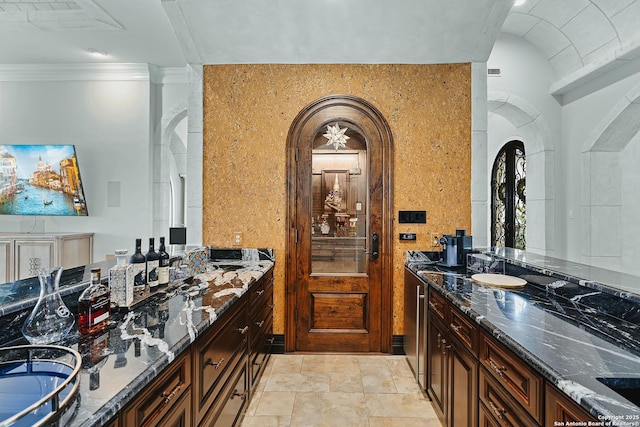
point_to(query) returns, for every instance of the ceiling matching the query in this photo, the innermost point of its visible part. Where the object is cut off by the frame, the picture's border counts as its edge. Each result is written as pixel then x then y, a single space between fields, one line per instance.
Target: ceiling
pixel 573 34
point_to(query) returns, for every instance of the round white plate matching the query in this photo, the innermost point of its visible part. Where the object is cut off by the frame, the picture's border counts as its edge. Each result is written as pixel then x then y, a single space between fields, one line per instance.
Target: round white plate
pixel 501 280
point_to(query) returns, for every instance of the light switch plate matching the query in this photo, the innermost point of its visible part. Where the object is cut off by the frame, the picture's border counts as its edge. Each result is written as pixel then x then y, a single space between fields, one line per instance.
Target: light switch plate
pixel 407 236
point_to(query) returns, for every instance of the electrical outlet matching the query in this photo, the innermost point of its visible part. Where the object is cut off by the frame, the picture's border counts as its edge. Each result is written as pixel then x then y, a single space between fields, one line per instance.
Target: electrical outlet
pixel 237 238
pixel 436 240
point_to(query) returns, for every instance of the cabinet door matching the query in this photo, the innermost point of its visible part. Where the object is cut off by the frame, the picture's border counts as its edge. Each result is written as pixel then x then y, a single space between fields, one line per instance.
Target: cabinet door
pixel 30 255
pixel 180 414
pixel 561 409
pixel 6 261
pixel 437 365
pixel 463 386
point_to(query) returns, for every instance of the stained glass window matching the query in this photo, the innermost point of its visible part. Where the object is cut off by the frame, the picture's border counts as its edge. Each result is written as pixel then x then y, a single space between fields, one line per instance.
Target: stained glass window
pixel 508 197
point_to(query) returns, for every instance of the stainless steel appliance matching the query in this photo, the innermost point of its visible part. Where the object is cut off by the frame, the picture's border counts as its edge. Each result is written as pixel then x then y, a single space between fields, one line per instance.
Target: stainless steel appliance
pixel 415 342
pixel 455 248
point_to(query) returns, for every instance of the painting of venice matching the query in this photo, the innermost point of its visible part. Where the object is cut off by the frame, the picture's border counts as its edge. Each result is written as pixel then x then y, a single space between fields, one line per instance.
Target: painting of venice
pixel 40 180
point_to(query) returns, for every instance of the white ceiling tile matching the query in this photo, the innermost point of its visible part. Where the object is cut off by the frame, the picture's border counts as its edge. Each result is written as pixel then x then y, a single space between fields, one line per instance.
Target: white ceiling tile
pixel 627 22
pixel 566 61
pixel 519 24
pixel 547 38
pixel 611 7
pixel 589 30
pixel 557 12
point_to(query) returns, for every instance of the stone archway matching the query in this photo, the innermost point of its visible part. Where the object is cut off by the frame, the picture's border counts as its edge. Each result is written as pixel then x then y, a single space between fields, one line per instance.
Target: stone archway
pixel 610 196
pixel 539 148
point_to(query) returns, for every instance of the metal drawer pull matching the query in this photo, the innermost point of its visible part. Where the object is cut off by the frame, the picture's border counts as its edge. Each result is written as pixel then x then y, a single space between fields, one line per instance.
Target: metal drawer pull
pixel 243 330
pixel 242 396
pixel 259 324
pixel 434 307
pixel 210 362
pixel 498 411
pixel 439 340
pixel 455 327
pixel 260 292
pixel 168 396
pixel 271 305
pixel 500 370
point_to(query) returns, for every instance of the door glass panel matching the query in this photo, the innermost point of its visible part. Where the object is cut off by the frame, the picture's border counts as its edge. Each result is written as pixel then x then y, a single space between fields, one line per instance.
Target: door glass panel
pixel 339 201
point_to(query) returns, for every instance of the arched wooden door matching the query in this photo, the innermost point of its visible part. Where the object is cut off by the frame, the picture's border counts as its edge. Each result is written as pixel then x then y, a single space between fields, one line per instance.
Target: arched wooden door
pixel 339 225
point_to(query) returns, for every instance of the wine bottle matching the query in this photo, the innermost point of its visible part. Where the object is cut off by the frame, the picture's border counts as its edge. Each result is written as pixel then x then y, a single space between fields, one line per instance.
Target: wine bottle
pixel 163 269
pixel 153 262
pixel 94 305
pixel 139 268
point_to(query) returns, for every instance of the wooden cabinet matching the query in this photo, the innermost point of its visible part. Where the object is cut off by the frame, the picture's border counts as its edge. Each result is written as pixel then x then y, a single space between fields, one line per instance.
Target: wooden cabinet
pixel 22 254
pixel 475 380
pixel 163 398
pixel 452 383
pixel 516 378
pixel 216 355
pixel 559 408
pixel 261 321
pixel 210 384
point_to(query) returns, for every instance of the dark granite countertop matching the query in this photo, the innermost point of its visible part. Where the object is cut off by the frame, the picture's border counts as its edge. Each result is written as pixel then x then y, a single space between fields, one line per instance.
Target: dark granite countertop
pixel 571 330
pixel 119 362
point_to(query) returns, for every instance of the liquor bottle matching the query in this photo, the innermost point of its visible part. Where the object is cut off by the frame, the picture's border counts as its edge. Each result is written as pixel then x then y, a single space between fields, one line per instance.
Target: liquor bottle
pixel 94 305
pixel 153 263
pixel 139 268
pixel 121 280
pixel 163 269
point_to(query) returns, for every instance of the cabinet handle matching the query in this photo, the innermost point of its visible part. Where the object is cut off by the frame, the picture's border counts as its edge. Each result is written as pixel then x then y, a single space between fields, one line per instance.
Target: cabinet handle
pixel 216 365
pixel 243 330
pixel 500 370
pixel 259 324
pixel 170 395
pixel 271 305
pixel 434 307
pixel 498 411
pixel 260 292
pixel 455 327
pixel 439 340
pixel 242 396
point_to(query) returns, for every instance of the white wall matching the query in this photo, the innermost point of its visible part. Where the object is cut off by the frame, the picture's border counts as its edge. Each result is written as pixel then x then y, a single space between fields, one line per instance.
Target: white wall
pixel 109 121
pixel 521 108
pixel 593 195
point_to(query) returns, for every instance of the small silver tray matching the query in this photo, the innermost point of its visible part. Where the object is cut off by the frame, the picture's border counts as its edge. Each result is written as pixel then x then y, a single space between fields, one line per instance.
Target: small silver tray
pixel 38 383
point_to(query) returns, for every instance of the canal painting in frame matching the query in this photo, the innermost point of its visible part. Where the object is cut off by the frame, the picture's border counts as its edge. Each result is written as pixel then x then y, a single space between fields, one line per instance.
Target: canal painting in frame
pixel 40 180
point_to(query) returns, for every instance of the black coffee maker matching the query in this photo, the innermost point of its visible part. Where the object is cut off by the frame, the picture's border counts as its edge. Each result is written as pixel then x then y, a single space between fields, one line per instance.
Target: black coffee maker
pixel 455 248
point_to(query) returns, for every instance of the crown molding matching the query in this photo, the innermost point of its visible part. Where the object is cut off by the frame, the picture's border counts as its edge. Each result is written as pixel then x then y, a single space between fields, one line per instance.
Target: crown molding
pixel 90 72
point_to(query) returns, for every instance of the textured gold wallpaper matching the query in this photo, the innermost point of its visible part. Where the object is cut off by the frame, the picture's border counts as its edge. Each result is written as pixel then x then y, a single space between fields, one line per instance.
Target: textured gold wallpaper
pixel 248 110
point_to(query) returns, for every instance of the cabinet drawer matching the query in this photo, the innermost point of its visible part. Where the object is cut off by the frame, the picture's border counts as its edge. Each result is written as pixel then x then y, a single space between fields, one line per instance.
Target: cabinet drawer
pixel 261 351
pixel 261 292
pixel 159 397
pixel 464 330
pixel 259 322
pixel 217 355
pixel 502 407
pixel 519 380
pixel 227 409
pixel 438 305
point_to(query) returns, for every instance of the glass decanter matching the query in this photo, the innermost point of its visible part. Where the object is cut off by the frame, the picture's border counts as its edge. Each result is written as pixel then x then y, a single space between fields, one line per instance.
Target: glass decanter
pixel 50 320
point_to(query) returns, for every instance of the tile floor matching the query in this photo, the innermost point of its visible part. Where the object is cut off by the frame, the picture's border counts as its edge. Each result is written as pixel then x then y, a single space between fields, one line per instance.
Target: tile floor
pixel 338 390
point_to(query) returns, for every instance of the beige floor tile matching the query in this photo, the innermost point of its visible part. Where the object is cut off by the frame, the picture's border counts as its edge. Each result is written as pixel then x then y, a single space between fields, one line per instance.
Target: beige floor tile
pixel 266 421
pixel 396 405
pixel 346 383
pixel 404 422
pixel 275 403
pixel 330 363
pixel 329 409
pixel 285 363
pixel 297 382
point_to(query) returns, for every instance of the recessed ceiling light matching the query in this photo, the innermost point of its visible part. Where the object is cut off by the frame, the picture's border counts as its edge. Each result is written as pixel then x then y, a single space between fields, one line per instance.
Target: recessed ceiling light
pixel 519 2
pixel 97 52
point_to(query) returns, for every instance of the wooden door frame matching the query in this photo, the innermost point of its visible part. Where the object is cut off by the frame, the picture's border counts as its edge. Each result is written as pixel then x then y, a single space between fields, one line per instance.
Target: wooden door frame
pixel 386 241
